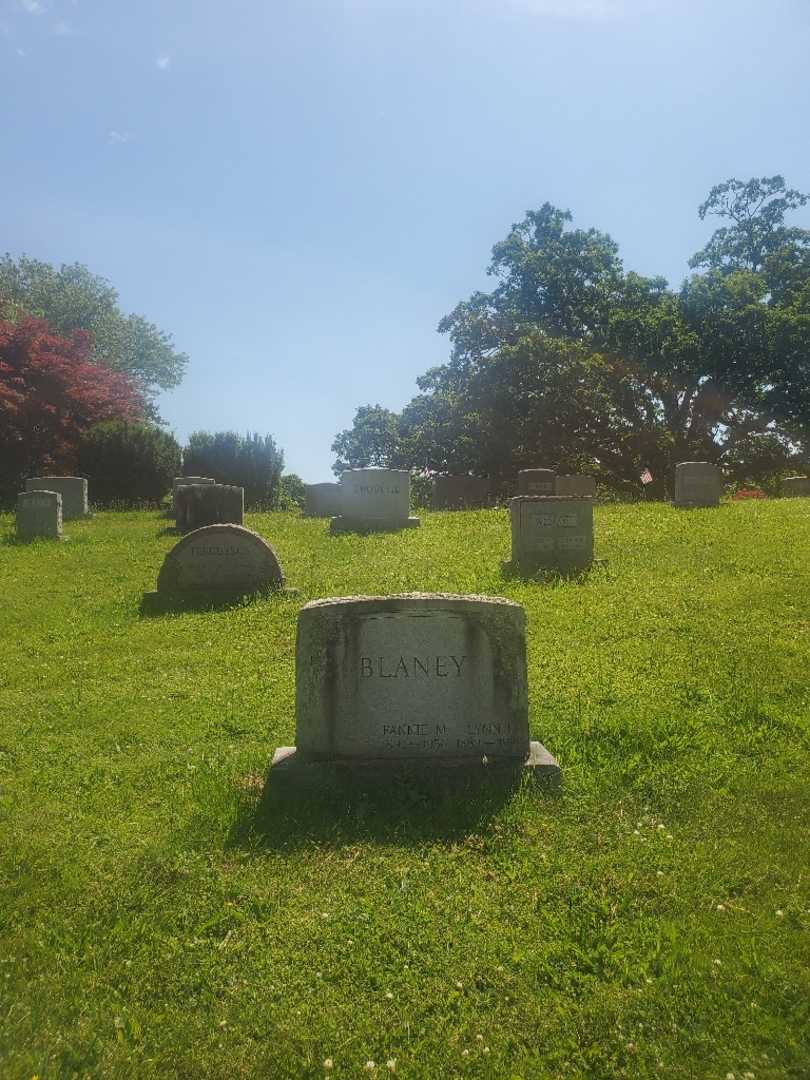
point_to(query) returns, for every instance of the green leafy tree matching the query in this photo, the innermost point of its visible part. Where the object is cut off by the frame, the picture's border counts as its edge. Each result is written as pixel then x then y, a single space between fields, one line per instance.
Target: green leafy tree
pixel 371 441
pixel 251 461
pixel 128 463
pixel 291 492
pixel 72 298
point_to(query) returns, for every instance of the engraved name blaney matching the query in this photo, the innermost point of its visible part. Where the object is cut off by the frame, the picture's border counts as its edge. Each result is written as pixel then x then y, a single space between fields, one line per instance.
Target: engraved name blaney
pixel 411 667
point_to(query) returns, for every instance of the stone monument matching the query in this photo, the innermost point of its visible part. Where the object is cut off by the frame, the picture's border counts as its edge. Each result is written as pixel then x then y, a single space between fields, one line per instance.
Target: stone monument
pixel 220 560
pixel 373 500
pixel 536 481
pixel 551 533
pixel 417 677
pixel 458 492
pixel 796 486
pixel 186 481
pixel 583 487
pixel 197 505
pixel 697 483
pixel 73 490
pixel 39 513
pixel 322 500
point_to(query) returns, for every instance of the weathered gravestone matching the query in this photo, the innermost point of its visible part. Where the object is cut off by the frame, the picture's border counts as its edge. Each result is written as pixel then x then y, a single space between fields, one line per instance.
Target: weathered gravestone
pixel 697 483
pixel 73 490
pixel 457 492
pixel 39 513
pixel 536 481
pixel 197 505
pixel 581 486
pixel 796 486
pixel 425 677
pixel 186 481
pixel 219 560
pixel 551 533
pixel 321 500
pixel 374 500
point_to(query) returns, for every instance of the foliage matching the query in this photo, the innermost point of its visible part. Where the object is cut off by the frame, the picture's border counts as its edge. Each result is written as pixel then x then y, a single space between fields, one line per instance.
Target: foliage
pixel 370 442
pixel 50 394
pixel 169 911
pixel 128 463
pixel 291 492
pixel 72 298
pixel 573 361
pixel 251 461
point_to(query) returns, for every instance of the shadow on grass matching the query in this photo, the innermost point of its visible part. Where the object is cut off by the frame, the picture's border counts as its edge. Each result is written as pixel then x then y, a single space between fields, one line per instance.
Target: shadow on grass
pixel 13 540
pixel 510 571
pixel 406 806
pixel 155 604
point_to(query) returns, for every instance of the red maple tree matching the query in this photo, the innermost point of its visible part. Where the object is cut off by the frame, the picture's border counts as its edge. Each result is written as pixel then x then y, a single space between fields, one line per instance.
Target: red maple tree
pixel 50 393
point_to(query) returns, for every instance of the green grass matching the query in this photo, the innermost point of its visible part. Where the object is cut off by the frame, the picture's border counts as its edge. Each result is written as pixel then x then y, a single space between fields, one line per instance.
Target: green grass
pixel 162 915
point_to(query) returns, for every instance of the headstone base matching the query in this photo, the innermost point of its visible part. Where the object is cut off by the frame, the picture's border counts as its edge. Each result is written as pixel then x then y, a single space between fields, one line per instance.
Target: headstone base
pixel 344 525
pixel 287 762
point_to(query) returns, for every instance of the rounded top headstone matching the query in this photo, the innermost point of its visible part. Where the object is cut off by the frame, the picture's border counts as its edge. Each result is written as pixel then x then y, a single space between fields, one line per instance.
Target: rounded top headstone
pixel 220 558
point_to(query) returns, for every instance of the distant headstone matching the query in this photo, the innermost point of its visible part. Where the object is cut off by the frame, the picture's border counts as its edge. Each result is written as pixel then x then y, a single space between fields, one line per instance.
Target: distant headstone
pixel 198 505
pixel 374 500
pixel 39 513
pixel 185 481
pixel 459 492
pixel 796 486
pixel 697 483
pixel 551 533
pixel 73 490
pixel 536 481
pixel 419 676
pixel 581 486
pixel 321 500
pixel 220 559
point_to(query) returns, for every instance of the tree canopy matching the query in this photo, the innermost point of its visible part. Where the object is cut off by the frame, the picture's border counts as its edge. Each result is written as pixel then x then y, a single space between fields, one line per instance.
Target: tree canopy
pixel 573 361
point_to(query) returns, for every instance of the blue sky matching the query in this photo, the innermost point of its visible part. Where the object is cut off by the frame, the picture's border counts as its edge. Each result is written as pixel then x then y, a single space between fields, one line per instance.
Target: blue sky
pixel 298 191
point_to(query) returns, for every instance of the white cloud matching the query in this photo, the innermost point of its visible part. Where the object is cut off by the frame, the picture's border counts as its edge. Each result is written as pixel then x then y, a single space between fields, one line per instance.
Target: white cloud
pixel 115 138
pixel 163 61
pixel 33 7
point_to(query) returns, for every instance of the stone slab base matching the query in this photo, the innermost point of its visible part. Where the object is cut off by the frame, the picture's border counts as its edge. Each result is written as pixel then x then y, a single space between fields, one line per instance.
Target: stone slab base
pixel 344 525
pixel 287 763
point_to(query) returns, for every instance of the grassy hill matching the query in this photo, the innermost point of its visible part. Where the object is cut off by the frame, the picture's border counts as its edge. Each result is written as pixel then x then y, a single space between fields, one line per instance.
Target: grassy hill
pixel 161 914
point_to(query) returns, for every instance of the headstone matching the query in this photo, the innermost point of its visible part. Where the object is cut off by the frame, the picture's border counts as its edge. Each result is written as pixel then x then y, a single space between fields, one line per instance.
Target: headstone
pixel 424 677
pixel 581 486
pixel 198 505
pixel 186 480
pixel 73 490
pixel 796 486
pixel 321 500
pixel 374 500
pixel 219 559
pixel 536 481
pixel 458 492
pixel 39 513
pixel 697 483
pixel 551 533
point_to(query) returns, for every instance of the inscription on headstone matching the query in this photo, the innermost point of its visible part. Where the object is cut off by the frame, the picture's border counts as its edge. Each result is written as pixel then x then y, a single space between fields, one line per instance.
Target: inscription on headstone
pixel 322 500
pixel 39 513
pixel 536 481
pixel 459 492
pixel 697 483
pixel 374 499
pixel 795 487
pixel 431 677
pixel 73 490
pixel 220 559
pixel 551 532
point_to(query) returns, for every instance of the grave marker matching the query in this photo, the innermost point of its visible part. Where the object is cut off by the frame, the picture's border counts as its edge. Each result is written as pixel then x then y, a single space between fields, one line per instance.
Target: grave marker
pixel 73 490
pixel 581 486
pixel 198 505
pixel 186 481
pixel 322 500
pixel 536 481
pixel 39 513
pixel 551 533
pixel 795 487
pixel 220 559
pixel 697 483
pixel 457 492
pixel 374 500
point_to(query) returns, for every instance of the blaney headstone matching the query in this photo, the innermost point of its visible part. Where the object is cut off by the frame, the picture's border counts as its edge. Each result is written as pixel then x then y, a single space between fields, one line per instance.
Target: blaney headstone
pixel 321 500
pixel 796 486
pixel 579 485
pixel 536 481
pixel 220 559
pixel 39 513
pixel 374 499
pixel 460 492
pixel 198 505
pixel 551 532
pixel 430 677
pixel 697 483
pixel 73 490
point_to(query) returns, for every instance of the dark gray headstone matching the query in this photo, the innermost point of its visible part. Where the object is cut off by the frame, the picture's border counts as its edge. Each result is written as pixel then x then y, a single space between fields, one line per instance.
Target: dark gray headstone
pixel 459 492
pixel 551 533
pixel 536 481
pixel 73 490
pixel 39 513
pixel 220 559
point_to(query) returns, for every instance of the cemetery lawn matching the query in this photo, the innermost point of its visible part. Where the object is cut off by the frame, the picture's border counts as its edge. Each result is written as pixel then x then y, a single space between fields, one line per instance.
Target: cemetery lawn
pixel 162 914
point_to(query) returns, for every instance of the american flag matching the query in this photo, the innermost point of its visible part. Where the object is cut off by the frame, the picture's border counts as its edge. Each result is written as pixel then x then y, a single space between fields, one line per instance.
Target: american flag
pixel 646 477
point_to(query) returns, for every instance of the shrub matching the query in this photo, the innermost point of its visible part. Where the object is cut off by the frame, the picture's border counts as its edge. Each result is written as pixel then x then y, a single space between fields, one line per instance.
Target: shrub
pixel 291 492
pixel 251 461
pixel 128 463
